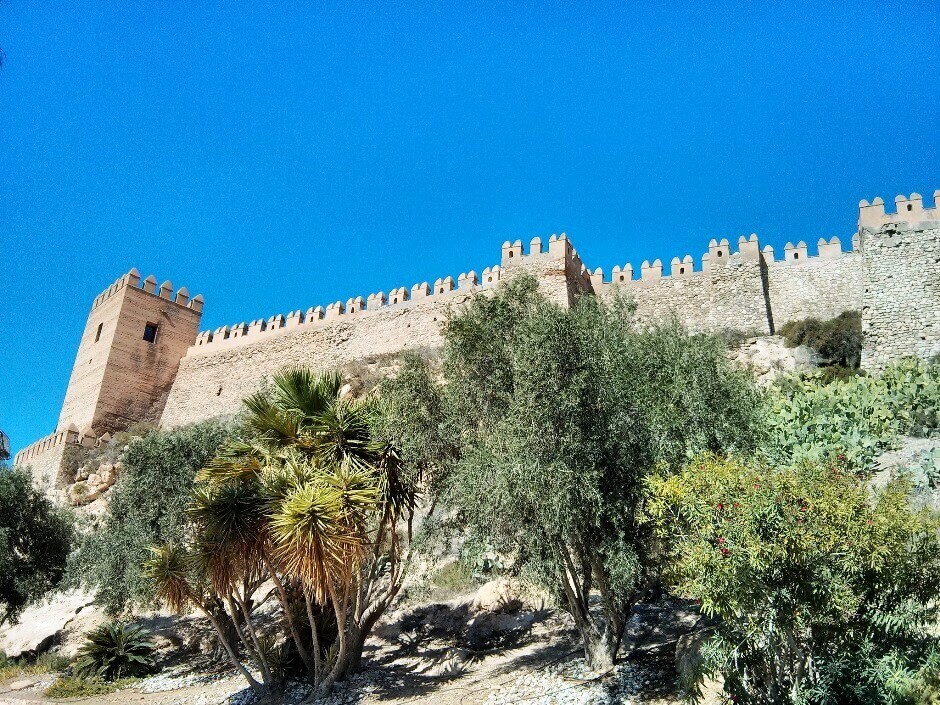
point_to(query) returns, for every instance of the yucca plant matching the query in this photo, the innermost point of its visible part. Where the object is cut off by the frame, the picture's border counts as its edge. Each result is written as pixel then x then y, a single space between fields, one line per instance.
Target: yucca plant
pixel 115 650
pixel 305 498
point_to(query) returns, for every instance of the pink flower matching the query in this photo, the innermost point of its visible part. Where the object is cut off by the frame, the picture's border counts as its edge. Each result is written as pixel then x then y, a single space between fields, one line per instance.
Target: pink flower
pixel 725 552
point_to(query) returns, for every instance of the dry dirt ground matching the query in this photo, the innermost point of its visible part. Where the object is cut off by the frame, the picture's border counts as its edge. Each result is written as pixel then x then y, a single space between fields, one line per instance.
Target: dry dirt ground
pixel 444 654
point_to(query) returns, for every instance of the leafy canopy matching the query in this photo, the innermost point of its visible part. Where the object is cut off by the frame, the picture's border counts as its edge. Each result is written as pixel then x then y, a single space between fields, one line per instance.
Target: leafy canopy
pixel 147 505
pixel 35 539
pixel 823 587
pixel 547 422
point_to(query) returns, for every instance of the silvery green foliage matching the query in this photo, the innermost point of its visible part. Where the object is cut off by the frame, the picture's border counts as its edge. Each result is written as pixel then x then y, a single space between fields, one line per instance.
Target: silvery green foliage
pixel 549 420
pixel 148 505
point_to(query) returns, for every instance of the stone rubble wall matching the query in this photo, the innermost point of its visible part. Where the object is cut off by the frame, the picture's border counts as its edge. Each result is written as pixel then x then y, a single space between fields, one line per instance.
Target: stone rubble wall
pixel 817 287
pixel 216 375
pixel 901 314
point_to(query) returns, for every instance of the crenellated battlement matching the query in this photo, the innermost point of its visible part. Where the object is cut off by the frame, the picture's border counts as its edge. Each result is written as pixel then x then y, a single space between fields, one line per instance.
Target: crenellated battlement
pixel 68 436
pixel 149 285
pixel 719 254
pixel 907 209
pixel 142 356
pixel 442 289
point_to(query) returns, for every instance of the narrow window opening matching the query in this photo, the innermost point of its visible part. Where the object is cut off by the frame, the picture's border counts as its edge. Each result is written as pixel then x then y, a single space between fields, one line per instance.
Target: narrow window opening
pixel 910 207
pixel 796 255
pixel 719 253
pixel 681 270
pixel 98 332
pixel 510 253
pixel 150 332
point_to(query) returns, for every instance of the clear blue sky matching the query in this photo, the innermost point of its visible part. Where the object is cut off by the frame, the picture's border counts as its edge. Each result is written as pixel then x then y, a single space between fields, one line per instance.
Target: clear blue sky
pixel 274 159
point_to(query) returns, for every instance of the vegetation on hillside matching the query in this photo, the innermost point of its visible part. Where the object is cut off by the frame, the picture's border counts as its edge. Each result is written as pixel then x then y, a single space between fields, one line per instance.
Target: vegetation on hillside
pixel 856 418
pixel 602 460
pixel 147 505
pixel 838 340
pixel 35 540
pixel 546 424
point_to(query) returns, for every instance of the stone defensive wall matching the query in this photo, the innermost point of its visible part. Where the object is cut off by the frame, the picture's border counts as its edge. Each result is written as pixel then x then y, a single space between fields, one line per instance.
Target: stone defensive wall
pixel 142 355
pixel 744 290
pixel 901 314
pixel 749 289
pixel 45 455
pixel 231 362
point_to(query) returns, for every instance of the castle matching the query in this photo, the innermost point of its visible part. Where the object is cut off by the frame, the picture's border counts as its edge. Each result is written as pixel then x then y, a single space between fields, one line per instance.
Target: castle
pixel 142 356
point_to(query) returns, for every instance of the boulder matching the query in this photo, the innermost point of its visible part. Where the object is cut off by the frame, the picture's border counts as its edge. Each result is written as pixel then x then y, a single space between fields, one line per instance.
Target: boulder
pixel 42 626
pixel 768 357
pixel 500 595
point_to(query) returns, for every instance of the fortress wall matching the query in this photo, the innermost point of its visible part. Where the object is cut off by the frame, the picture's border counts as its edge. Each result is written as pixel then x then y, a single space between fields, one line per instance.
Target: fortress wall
pixel 820 287
pixel 221 370
pixel 44 457
pixel 901 312
pixel 726 291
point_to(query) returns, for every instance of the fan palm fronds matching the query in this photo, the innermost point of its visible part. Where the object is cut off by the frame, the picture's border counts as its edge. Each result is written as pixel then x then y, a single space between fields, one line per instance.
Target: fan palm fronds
pixel 343 430
pixel 274 424
pixel 302 390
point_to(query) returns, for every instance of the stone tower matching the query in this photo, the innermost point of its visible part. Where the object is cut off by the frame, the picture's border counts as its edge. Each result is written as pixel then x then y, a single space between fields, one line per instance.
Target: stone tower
pixel 901 312
pixel 129 353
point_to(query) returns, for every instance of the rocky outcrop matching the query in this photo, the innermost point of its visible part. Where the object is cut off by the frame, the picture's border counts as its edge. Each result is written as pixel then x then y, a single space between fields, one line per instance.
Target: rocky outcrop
pixel 44 625
pixel 769 357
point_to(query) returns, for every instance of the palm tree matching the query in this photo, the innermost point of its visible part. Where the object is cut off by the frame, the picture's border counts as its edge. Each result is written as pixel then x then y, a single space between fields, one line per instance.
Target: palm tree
pixel 310 500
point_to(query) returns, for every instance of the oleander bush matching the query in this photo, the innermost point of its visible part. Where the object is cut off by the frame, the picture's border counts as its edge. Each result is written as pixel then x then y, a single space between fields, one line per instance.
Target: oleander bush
pixel 824 590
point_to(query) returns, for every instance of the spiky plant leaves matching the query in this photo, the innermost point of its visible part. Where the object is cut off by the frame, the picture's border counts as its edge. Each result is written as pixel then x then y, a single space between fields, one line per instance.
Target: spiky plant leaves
pixel 302 390
pixel 115 650
pixel 232 532
pixel 342 430
pixel 357 484
pixel 311 539
pixel 169 570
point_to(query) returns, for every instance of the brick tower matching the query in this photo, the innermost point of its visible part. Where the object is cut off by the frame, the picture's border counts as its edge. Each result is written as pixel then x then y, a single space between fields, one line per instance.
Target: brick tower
pixel 129 353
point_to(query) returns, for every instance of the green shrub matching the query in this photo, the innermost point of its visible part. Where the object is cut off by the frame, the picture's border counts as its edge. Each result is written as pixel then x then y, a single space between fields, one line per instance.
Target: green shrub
pixel 71 687
pixel 825 591
pixel 115 650
pixel 147 506
pixel 454 578
pixel 838 340
pixel 44 663
pixel 35 540
pixel 857 418
pixel 547 422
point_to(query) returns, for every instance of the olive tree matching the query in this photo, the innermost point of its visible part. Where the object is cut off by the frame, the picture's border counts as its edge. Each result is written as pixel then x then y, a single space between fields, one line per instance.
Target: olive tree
pixel 551 419
pixel 35 539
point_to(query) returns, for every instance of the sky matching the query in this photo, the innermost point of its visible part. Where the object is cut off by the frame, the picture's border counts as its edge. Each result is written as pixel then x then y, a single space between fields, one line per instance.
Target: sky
pixel 276 156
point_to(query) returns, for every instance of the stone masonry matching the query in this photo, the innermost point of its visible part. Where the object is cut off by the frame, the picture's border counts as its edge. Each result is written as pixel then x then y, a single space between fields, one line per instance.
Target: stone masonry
pixel 120 376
